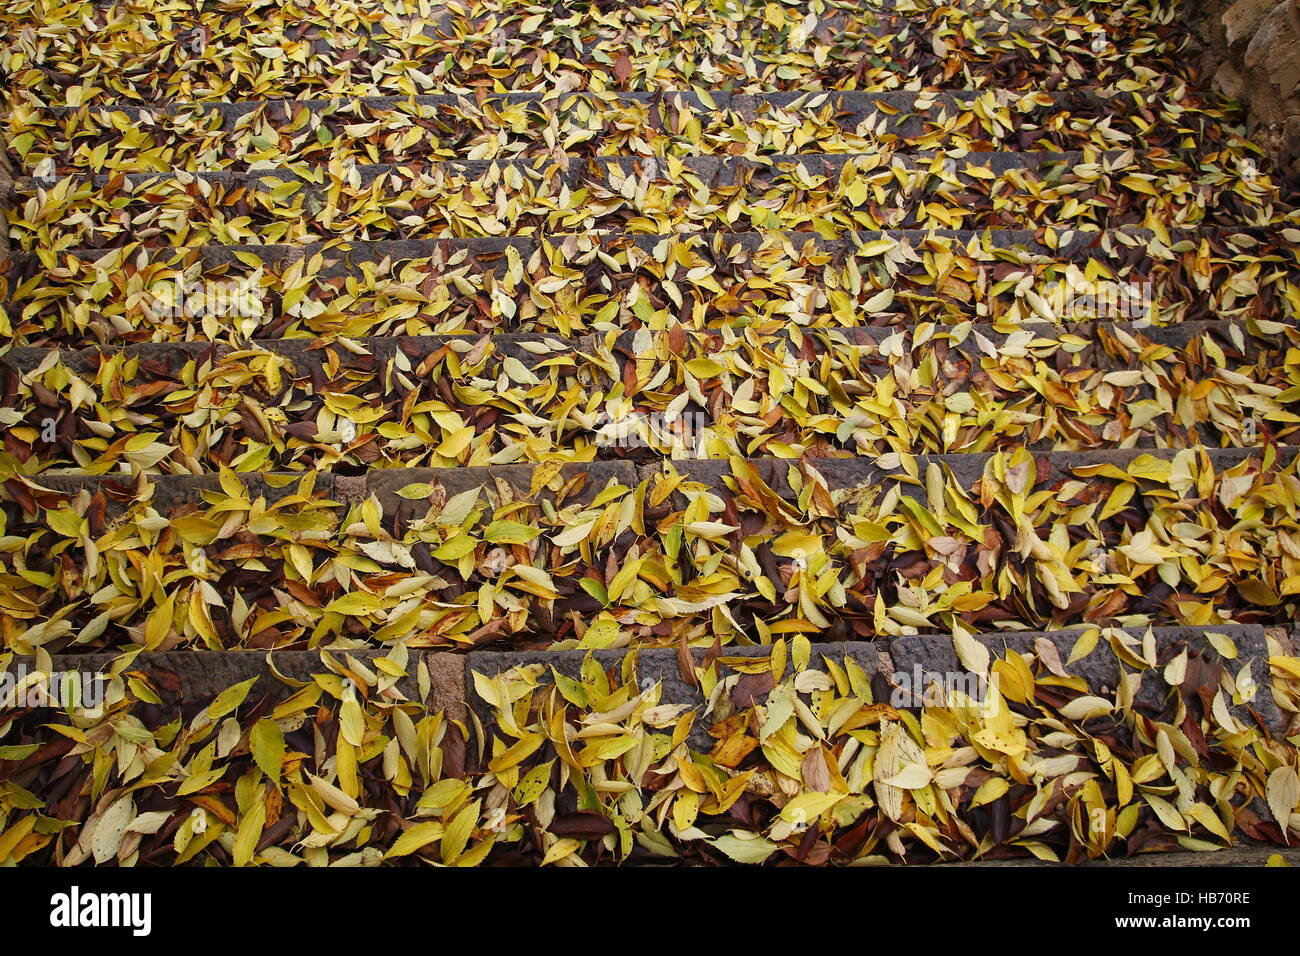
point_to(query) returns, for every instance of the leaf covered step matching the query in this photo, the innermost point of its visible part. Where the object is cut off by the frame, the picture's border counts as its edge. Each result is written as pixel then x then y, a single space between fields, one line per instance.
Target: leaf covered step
pixel 310 730
pixel 240 136
pixel 1154 672
pixel 576 285
pixel 790 708
pixel 738 550
pixel 1147 672
pixel 699 757
pixel 752 48
pixel 829 195
pixel 711 681
pixel 446 400
pixel 792 418
pixel 193 675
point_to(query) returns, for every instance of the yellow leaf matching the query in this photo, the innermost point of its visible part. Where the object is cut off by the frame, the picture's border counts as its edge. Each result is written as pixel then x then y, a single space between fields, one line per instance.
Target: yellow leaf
pixel 415 838
pixel 559 850
pixel 989 790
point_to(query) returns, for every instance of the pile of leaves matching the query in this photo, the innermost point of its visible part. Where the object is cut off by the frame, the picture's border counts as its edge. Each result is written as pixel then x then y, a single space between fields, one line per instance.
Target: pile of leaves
pixel 826 195
pixel 461 400
pixel 709 329
pixel 571 286
pixel 166 50
pixel 107 140
pixel 573 559
pixel 788 757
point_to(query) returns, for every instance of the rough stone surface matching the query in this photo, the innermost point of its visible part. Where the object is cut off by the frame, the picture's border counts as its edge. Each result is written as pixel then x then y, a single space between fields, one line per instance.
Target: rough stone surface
pixel 1101 668
pixel 204 674
pixel 1252 49
pixel 1229 82
pixel 1265 40
pixel 171 492
pixel 1243 18
pixel 350 488
pixel 1283 65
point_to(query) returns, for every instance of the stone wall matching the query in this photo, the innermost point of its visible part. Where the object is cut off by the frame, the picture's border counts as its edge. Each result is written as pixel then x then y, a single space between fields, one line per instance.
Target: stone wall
pixel 1252 50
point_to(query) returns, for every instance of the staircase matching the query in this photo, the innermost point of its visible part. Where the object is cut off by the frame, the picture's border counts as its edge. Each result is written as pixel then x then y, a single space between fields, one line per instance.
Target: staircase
pixel 709 431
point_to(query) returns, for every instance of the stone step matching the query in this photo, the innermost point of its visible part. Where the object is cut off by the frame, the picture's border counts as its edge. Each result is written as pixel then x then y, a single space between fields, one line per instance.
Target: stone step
pixel 234 136
pixel 908 673
pixel 716 169
pixel 499 36
pixel 1072 537
pixel 734 693
pixel 645 667
pixel 848 475
pixel 854 475
pixel 342 256
pixel 661 104
pixel 1106 347
pixel 1107 694
pixel 575 285
pixel 193 677
pixel 865 391
pixel 831 194
pixel 1102 669
pixel 945 48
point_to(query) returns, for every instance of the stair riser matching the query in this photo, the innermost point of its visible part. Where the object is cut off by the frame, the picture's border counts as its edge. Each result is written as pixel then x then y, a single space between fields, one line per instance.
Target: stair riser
pixel 202 675
pixel 893 665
